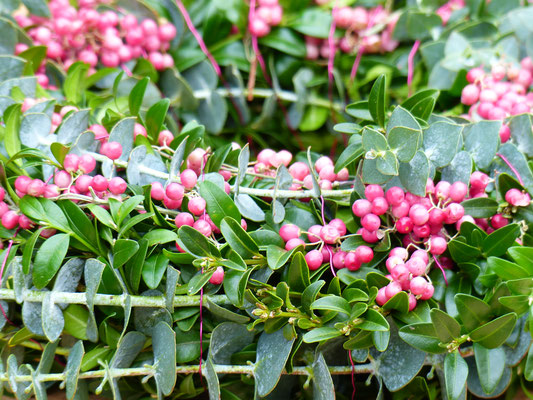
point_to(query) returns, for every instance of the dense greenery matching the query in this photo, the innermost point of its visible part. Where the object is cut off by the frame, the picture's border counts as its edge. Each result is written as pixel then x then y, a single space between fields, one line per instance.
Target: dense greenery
pixel 171 228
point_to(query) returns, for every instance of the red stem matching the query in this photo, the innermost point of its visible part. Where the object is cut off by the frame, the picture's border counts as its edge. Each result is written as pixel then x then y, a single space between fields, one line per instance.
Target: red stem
pixel 410 65
pixel 506 161
pixel 356 62
pixel 353 373
pixel 442 270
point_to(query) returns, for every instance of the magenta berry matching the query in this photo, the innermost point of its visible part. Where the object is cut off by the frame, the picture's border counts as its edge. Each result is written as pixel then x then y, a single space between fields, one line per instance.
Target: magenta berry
pixel 418 214
pixel 3 208
pixel 412 302
pixel 99 183
pixel 371 222
pixel 218 276
pixel 373 191
pixel 112 150
pixel 184 218
pixel 314 259
pixel 339 225
pixel 498 221
pixel 364 253
pixel 352 261
pixel 71 162
pixel 197 205
pixel 458 191
pixel 293 243
pixel 25 222
pixel 83 183
pixel 479 180
pixel 10 220
pixel 338 259
pixel 395 195
pixel 379 206
pixel 382 297
pixel 36 188
pixel 289 231
pixel 369 236
pixel 117 185
pixel 392 289
pixel 203 227
pixel 438 245
pixel 404 225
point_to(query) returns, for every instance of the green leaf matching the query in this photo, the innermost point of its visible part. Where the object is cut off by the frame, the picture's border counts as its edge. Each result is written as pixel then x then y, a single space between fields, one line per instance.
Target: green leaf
pixel 164 345
pixel 490 365
pixel 494 333
pixel 374 321
pixel 312 21
pixel 298 278
pixel 331 303
pixel 153 270
pixel 286 41
pixel 455 375
pixel 219 204
pixel 480 207
pixel 76 318
pixel 472 311
pixel 198 281
pixel 376 101
pixel 462 252
pixel 49 258
pixel 359 110
pixel 310 293
pixel 446 327
pixel 500 240
pixel 80 224
pixel 387 163
pixel 123 250
pixel 523 256
pixel 404 142
pixel 321 334
pixel 422 336
pixel 349 155
pixel 528 372
pixel 414 175
pixel 155 116
pixel 136 96
pixel 373 140
pixel 37 7
pixel 127 207
pixel 323 388
pixel 160 236
pixel 273 350
pixel 12 120
pixel 102 215
pixel 506 269
pixel 72 370
pixel 481 141
pixel 238 238
pixel 28 250
pixel 314 117
pixel 441 142
pixel 74 85
pixel 399 302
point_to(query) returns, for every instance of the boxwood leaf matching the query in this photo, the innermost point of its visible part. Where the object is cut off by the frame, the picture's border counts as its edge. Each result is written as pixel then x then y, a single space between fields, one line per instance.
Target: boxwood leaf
pixel 219 204
pixel 49 258
pixel 455 374
pixel 494 333
pixel 446 327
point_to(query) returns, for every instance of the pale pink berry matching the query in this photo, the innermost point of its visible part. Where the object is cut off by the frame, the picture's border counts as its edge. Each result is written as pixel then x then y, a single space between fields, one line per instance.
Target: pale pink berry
pixel 289 231
pixel 299 170
pixel 416 266
pixel 505 133
pixel 2 194
pixel 412 302
pixel 174 191
pixel 327 173
pixel 139 130
pixel 371 222
pixel 157 192
pixel 470 94
pixel 165 137
pixel 454 212
pixel 171 203
pixel 474 74
pixel 10 220
pixel 87 163
pixel 393 289
pixel 51 191
pixel 339 225
pixel 479 180
pixel 422 254
pixel 83 182
pixel 418 285
pixel 149 27
pixel 516 198
pixel 62 179
pixel 458 191
pixel 3 208
pixel 244 224
pixel 329 234
pixel 379 206
pixel 184 218
pixel 258 27
pixel 218 276
pixel 442 190
pixel 400 273
pixel 188 178
pixel 400 252
pixel 395 195
pixel 35 188
pixel 167 32
pixel 392 262
pixel 71 162
pixel 195 160
pixel 369 236
pixel 362 207
pixel 293 243
pixel 314 233
pixel 117 185
pixel 112 150
pixel 314 259
pixel 428 292
pixel 197 205
pixel 401 210
pixel 343 175
pixel 203 227
pixel 323 162
pixel 437 245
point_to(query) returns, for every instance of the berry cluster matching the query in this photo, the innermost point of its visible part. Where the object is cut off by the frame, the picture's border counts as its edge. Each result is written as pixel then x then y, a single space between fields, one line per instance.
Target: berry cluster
pixel 359 24
pixel 91 36
pixel 500 93
pixel 268 14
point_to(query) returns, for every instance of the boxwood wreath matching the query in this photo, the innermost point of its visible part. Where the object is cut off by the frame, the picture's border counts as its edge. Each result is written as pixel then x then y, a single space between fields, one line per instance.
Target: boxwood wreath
pixel 170 225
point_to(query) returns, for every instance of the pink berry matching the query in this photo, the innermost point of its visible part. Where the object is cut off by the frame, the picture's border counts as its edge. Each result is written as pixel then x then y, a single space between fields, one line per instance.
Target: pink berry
pixel 373 191
pixel 157 192
pixel 371 222
pixel 436 217
pixel 71 162
pixel 171 204
pixel 83 182
pixel 338 259
pixel 379 206
pixel 10 220
pixel 149 27
pixel 218 276
pixel 400 252
pixel 36 188
pixel 314 233
pixel 418 214
pixel 289 231
pixel 25 222
pixel 195 160
pixel 442 190
pixel 112 150
pixel 369 236
pixel 395 195
pixel 498 221
pixel 117 185
pixel 437 245
pixel 470 94
pixel 392 262
pixel 62 179
pixel 351 261
pixel 322 162
pixel 188 178
pixel 428 292
pixel 258 27
pixel 412 302
pixel 99 183
pixel 293 243
pixel 364 253
pixel 327 173
pixel 197 205
pixel 479 180
pixel 203 227
pixel 458 191
pixel 401 210
pixel 505 133
pixel 516 198
pixel 165 138
pixel 382 297
pixel 167 32
pixel 244 224
pixel 362 207
pixel 422 254
pixel 454 212
pixel 339 225
pixel 314 259
pixel 3 208
pixel 184 218
pixel 139 130
pixel 404 225
pixel 400 273
pixel 299 170
pixel 87 163
pixel 175 191
pixel 51 191
pixel 418 285
pixel 393 289
pixel 416 266
pixel 329 234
